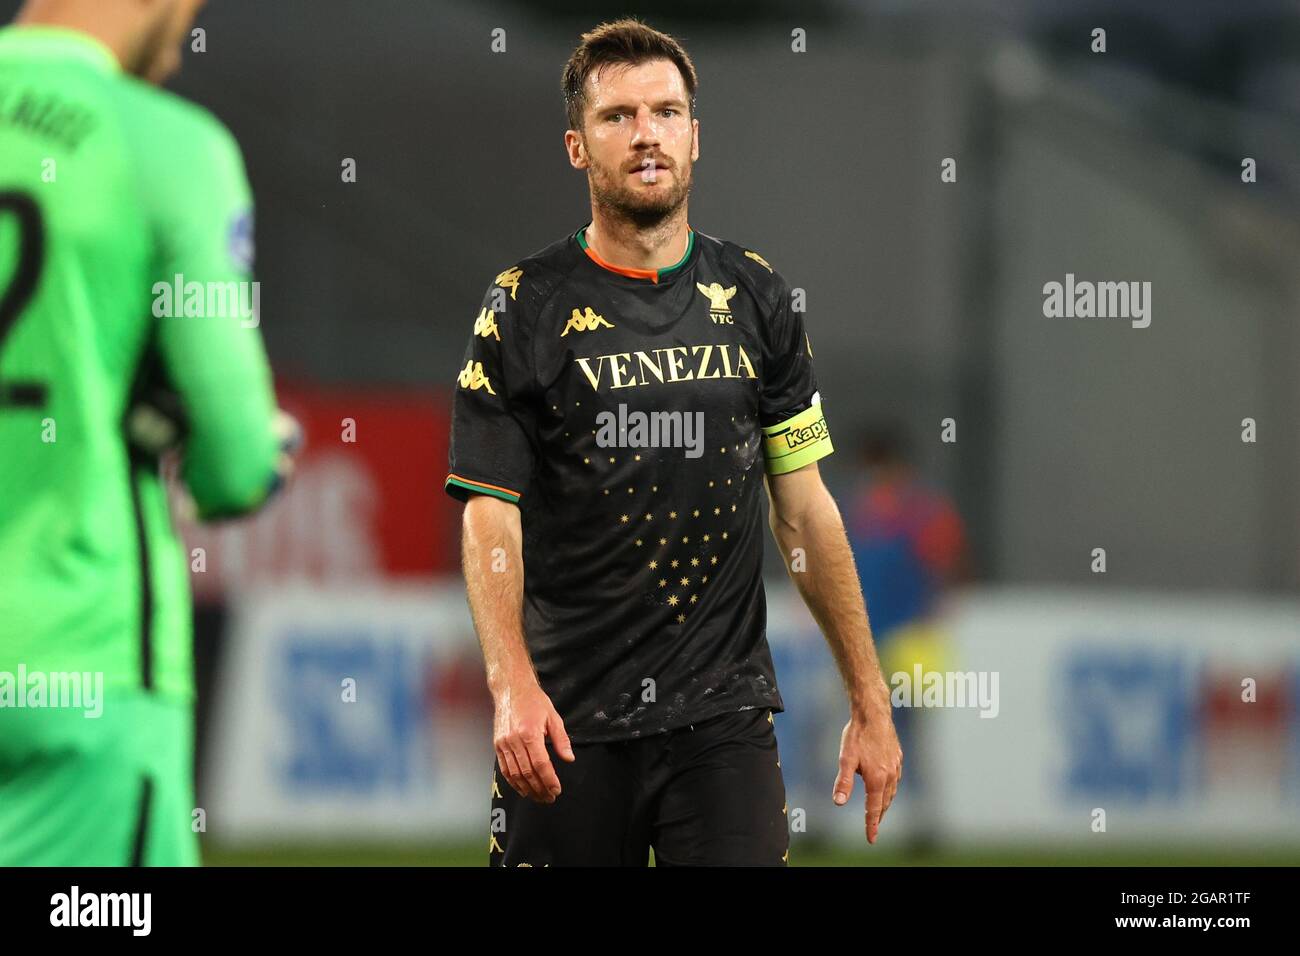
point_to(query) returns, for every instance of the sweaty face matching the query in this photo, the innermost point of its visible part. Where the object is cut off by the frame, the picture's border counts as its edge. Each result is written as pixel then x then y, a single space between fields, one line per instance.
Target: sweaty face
pixel 640 140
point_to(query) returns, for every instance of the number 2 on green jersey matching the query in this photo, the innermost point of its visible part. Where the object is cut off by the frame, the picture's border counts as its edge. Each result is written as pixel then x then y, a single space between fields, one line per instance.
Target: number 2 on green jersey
pixel 21 288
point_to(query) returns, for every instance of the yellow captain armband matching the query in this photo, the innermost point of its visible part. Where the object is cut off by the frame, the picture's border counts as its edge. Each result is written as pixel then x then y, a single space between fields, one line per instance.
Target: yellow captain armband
pixel 796 441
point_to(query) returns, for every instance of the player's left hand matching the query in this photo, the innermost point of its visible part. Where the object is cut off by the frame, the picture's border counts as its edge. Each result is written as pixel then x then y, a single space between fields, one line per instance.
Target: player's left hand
pixel 869 747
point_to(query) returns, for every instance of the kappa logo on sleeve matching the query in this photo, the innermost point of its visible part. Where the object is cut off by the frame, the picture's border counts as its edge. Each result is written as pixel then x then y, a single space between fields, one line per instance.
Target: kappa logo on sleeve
pixel 510 280
pixel 473 378
pixel 486 324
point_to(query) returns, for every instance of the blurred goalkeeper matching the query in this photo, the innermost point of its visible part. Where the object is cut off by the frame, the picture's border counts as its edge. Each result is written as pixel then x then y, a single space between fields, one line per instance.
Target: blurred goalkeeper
pixel 114 198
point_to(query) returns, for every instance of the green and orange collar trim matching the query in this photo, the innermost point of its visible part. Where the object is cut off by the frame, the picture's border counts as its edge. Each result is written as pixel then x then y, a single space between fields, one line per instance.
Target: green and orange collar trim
pixel 653 275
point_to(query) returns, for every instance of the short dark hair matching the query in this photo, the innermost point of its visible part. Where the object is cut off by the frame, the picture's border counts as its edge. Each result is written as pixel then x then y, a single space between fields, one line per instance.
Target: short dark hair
pixel 627 41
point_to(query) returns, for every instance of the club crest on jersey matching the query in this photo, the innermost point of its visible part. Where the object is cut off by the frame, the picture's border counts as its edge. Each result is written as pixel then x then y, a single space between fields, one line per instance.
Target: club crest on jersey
pixel 486 324
pixel 584 321
pixel 473 378
pixel 719 310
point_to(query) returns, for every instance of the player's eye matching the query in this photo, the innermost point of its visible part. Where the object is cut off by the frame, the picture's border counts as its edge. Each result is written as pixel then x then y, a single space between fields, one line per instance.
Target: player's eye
pixel 669 111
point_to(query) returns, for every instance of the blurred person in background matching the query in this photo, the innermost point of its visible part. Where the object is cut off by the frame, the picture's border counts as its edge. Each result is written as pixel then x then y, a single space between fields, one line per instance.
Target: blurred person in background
pixel 909 546
pixel 113 195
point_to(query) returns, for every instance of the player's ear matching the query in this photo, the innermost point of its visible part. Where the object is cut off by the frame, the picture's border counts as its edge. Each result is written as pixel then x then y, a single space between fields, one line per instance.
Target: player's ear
pixel 576 149
pixel 695 140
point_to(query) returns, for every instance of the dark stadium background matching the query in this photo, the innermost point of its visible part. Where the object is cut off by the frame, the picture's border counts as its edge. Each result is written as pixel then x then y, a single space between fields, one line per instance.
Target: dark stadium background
pixel 924 297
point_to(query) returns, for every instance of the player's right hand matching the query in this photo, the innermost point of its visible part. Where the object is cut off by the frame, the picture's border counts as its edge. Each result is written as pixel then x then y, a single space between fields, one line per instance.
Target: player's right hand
pixel 524 718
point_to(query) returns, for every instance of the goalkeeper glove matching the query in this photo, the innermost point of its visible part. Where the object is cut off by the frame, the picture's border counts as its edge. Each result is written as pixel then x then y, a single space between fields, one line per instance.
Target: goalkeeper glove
pixel 289 436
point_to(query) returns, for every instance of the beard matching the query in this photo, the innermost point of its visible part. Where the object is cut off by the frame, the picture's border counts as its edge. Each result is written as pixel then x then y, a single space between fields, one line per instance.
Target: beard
pixel 643 208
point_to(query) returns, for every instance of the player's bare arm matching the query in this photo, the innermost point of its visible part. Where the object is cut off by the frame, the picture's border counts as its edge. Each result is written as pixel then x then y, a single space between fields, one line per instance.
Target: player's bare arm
pixel 804 515
pixel 524 716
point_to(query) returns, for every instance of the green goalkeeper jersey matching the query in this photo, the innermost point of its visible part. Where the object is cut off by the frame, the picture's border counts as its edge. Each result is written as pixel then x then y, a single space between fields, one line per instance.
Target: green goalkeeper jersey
pixel 125 258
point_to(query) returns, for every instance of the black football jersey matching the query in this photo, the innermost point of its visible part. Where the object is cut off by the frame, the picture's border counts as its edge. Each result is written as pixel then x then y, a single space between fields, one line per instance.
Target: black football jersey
pixel 631 415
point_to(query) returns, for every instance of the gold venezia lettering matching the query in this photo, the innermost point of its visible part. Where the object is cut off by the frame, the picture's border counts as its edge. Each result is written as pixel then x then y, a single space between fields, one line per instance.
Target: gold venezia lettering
pixel 704 362
pixel 684 364
pixel 616 372
pixel 586 370
pixel 655 367
pixel 674 363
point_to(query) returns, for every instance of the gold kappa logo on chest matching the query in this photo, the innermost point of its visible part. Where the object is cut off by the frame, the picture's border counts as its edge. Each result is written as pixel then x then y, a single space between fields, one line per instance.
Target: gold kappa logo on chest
pixel 585 321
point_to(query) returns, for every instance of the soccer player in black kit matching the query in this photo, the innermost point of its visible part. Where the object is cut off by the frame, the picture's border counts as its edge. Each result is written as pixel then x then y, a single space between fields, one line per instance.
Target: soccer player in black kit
pixel 625 393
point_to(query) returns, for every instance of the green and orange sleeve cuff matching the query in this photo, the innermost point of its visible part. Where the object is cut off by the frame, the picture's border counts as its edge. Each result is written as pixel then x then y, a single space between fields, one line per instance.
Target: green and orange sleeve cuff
pixel 461 488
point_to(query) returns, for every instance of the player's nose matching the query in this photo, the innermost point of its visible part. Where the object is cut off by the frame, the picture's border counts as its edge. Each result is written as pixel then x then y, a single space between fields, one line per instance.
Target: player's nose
pixel 646 132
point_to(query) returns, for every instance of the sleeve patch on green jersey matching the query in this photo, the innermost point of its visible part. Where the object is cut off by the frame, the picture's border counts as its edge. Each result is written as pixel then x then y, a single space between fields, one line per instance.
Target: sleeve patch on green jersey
pixel 239 243
pixel 796 441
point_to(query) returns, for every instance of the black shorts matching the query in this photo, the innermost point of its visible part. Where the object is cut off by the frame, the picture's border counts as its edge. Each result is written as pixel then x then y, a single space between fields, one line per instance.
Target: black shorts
pixel 710 794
